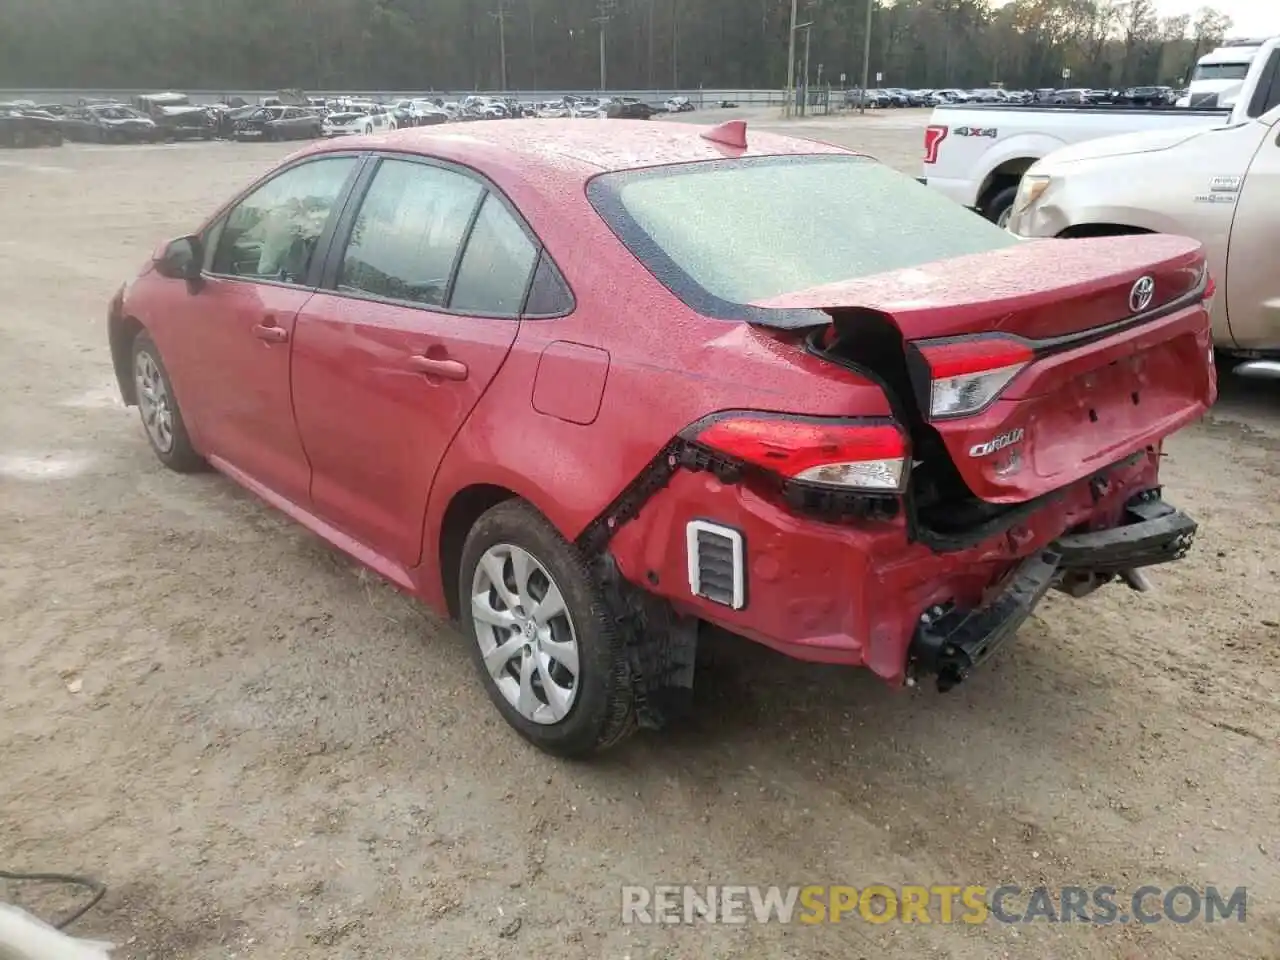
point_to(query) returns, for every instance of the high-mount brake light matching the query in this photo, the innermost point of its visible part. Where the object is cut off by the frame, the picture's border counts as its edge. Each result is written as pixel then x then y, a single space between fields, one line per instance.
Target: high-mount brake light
pixel 966 375
pixel 813 450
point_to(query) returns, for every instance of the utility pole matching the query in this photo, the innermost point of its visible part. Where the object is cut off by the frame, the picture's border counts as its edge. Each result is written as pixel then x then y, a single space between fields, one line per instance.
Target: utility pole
pixel 675 44
pixel 501 17
pixel 652 4
pixel 808 37
pixel 606 14
pixel 791 58
pixel 533 44
pixel 866 60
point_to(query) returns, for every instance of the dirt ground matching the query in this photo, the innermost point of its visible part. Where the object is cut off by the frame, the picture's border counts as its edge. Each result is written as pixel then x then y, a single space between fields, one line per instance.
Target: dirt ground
pixel 268 753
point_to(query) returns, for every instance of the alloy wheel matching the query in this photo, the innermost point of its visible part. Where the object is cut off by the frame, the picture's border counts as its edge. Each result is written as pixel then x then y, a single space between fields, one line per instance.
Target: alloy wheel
pixel 526 635
pixel 154 401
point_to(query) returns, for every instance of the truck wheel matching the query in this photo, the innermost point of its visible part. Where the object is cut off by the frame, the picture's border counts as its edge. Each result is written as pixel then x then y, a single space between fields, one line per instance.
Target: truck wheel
pixel 1000 206
pixel 541 636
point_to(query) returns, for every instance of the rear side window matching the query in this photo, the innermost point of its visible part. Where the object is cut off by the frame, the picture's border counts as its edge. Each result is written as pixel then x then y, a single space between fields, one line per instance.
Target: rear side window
pixel 495 269
pixel 408 233
pixel 549 295
pixel 724 234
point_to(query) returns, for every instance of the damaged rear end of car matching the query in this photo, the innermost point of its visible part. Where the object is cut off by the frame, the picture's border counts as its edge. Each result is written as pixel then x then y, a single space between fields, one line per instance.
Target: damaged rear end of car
pixel 1032 382
pixel 1028 389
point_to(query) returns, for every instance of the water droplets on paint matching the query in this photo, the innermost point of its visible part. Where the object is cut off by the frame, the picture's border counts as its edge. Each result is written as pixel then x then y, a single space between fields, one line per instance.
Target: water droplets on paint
pixel 46 466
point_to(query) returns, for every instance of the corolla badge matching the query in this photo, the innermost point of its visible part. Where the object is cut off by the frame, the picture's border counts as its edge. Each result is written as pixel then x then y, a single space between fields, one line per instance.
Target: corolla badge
pixel 997 443
pixel 1141 295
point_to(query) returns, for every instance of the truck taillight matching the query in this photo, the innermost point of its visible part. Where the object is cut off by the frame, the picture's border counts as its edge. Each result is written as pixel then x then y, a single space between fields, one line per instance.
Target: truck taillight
pixel 828 452
pixel 965 375
pixel 933 137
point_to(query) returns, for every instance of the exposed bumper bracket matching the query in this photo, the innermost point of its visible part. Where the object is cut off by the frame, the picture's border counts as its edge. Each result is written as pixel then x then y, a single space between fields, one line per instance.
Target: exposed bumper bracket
pixel 949 641
pixel 1155 533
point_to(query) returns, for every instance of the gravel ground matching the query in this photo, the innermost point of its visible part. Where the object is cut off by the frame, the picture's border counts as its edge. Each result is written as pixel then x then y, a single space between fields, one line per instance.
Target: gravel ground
pixel 267 752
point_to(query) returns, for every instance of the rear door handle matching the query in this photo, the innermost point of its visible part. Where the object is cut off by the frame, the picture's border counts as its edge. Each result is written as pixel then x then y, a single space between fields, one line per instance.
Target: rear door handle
pixel 444 369
pixel 267 330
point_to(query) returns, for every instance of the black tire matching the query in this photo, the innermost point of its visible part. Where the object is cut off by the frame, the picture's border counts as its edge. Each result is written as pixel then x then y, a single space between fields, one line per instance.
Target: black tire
pixel 602 713
pixel 180 456
pixel 1000 205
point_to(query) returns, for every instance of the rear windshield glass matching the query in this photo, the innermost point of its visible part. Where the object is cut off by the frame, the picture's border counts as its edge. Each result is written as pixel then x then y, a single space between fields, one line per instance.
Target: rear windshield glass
pixel 724 234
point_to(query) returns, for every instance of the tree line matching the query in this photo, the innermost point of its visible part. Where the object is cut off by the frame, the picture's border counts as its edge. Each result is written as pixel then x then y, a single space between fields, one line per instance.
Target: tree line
pixel 454 45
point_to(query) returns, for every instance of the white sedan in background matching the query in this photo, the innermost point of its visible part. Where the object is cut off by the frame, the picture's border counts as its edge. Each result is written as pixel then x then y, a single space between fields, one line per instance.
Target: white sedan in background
pixel 374 118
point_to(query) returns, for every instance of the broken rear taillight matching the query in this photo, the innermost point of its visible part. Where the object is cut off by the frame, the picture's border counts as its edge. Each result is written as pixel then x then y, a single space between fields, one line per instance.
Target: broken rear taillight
pixel 828 452
pixel 965 375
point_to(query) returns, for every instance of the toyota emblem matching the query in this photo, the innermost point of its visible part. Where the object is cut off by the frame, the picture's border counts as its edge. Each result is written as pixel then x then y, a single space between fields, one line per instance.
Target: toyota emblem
pixel 1141 294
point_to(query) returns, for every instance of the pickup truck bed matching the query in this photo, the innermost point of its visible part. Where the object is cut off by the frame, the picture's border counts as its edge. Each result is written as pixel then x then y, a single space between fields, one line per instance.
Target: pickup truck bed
pixel 976 153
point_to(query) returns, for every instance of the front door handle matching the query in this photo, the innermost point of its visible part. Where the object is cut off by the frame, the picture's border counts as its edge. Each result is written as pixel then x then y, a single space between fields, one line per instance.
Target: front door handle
pixel 268 331
pixel 436 367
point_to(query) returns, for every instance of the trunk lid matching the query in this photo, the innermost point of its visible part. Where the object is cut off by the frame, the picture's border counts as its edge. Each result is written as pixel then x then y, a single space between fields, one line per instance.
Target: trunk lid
pixel 1104 346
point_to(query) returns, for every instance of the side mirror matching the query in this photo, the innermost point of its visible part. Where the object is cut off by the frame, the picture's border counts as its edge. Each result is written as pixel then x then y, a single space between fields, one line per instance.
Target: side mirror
pixel 181 259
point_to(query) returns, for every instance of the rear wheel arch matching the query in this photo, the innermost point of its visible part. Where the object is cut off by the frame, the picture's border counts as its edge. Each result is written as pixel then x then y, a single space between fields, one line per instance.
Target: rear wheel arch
pixel 466 507
pixel 1080 231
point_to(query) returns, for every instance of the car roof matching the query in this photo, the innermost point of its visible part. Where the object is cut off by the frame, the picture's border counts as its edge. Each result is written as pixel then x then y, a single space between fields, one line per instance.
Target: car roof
pixel 576 150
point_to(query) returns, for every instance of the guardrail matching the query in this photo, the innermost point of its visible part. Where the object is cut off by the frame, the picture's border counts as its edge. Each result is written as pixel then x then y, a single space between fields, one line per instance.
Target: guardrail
pixel 698 98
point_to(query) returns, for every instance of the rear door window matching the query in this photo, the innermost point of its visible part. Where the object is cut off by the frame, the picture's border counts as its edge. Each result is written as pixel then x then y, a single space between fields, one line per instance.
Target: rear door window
pixel 408 234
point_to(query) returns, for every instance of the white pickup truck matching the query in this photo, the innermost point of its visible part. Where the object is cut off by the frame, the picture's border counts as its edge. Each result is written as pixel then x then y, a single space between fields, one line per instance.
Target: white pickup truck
pixel 1220 186
pixel 976 153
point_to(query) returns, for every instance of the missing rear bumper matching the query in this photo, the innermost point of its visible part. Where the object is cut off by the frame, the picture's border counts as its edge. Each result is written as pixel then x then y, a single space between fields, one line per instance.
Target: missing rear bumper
pixel 950 642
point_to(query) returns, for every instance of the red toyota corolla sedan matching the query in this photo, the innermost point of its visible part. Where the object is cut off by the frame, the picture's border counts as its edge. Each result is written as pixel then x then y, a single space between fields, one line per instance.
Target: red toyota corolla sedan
pixel 591 388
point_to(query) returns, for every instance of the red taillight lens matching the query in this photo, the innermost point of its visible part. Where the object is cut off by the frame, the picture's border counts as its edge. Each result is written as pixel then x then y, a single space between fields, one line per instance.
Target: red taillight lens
pixel 832 453
pixel 933 137
pixel 966 375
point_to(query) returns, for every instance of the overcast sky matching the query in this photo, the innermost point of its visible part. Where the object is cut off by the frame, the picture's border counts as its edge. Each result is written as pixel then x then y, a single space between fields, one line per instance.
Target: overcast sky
pixel 1249 17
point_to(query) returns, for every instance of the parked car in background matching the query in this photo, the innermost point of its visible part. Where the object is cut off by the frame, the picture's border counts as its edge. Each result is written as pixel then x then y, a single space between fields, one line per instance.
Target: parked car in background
pixel 110 123
pixel 631 108
pixel 373 118
pixel 1219 185
pixel 552 110
pixel 871 99
pixel 176 118
pixel 484 108
pixel 419 113
pixel 976 154
pixel 678 105
pixel 28 127
pixel 277 123
pixel 1149 96
pixel 907 438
